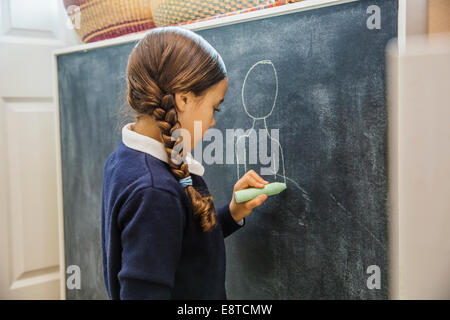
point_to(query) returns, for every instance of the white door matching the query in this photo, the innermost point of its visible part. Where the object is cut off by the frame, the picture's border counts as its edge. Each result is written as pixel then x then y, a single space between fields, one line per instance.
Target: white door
pixel 30 255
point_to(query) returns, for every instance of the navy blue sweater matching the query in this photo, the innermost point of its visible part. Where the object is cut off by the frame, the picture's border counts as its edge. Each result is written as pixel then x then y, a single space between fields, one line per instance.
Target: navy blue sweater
pixel 152 246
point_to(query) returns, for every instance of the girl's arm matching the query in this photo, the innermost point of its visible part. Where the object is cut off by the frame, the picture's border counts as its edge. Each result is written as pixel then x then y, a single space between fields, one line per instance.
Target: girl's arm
pixel 227 222
pixel 152 223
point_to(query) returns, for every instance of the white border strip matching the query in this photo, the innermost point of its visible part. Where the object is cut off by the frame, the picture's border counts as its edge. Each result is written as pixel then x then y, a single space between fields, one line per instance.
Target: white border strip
pixel 219 22
pixel 59 183
pixel 401 27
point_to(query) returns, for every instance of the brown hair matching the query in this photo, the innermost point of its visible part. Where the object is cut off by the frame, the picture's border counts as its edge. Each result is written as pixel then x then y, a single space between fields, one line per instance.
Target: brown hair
pixel 169 60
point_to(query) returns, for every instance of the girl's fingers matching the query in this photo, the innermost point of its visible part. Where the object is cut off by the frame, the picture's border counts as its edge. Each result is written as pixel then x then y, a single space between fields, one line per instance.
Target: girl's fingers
pixel 250 179
pixel 241 184
pixel 257 177
pixel 253 182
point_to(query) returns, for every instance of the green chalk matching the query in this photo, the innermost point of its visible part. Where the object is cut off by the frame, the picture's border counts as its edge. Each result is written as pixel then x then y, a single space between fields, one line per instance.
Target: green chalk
pixel 269 189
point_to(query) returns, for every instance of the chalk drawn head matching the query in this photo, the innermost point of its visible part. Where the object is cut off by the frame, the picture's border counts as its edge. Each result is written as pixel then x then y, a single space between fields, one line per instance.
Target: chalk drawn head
pixel 259 111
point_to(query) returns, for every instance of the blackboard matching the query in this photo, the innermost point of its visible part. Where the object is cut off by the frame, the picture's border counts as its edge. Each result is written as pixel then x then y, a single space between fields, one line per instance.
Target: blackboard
pixel 317 239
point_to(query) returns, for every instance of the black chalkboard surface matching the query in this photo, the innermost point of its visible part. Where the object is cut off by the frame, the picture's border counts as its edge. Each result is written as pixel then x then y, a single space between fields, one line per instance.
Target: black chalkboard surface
pixel 318 77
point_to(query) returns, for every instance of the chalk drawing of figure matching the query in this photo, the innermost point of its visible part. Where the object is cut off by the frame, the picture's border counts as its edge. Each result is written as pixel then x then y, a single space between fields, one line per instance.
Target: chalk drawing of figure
pixel 250 134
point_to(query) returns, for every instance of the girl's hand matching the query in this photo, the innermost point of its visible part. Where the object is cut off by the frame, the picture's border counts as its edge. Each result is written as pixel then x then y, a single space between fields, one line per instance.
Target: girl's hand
pixel 250 180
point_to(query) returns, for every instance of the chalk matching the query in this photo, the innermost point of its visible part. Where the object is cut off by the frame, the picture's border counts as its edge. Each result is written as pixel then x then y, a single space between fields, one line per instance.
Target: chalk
pixel 269 189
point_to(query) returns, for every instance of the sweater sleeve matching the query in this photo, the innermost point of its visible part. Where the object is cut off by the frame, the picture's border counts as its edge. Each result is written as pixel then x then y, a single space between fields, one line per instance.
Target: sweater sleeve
pixel 227 222
pixel 152 223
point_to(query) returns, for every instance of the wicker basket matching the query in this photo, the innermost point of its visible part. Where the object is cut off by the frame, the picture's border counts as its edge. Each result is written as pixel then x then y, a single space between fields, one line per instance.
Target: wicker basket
pixel 104 19
pixel 173 12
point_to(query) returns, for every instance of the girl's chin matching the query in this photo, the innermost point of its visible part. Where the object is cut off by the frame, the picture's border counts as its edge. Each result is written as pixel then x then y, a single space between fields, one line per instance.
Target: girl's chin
pixel 195 143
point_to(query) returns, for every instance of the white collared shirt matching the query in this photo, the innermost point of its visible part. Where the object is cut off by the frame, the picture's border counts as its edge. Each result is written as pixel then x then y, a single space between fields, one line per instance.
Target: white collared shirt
pixel 146 144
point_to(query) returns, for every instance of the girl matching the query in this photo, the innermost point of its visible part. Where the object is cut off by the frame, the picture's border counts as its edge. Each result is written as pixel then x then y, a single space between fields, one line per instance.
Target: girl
pixel 162 237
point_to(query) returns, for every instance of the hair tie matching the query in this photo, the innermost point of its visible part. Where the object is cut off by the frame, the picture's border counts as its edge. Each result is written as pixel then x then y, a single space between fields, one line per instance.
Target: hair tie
pixel 186 181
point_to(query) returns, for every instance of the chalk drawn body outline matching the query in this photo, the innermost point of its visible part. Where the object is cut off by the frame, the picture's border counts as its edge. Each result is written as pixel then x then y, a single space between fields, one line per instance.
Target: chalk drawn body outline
pixel 269 62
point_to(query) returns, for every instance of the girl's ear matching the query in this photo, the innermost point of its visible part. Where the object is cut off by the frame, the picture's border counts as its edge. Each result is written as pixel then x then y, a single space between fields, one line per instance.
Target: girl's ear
pixel 181 101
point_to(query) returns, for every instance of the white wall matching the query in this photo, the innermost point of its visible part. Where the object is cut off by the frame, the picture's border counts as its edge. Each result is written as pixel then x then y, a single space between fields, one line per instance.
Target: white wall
pixel 419 168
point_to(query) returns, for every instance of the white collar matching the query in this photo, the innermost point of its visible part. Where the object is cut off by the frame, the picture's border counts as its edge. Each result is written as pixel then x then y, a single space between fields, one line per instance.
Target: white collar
pixel 139 142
